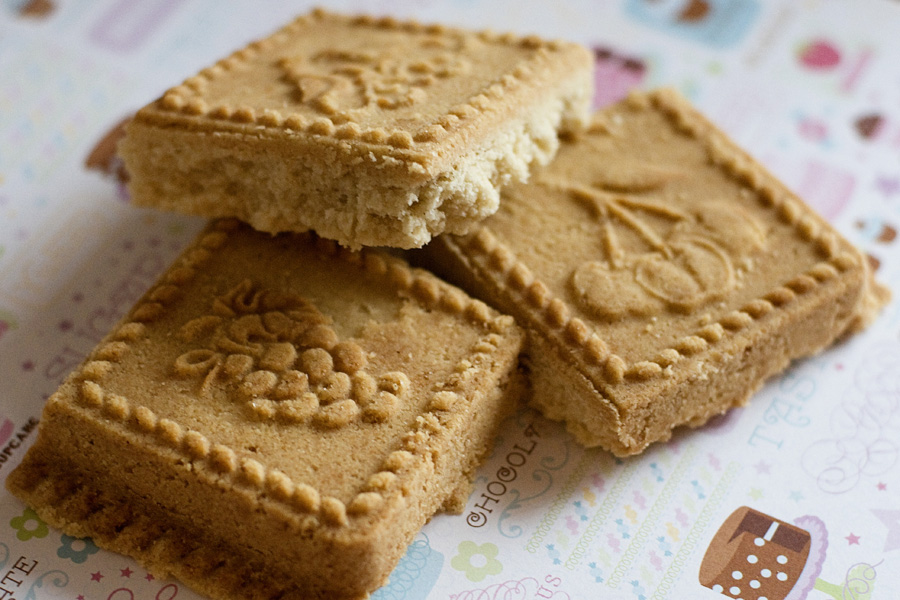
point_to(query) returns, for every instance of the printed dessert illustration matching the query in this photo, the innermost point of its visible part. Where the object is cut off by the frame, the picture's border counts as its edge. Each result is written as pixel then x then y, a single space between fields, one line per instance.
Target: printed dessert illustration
pixel 104 157
pixel 35 9
pixel 615 75
pixel 716 23
pixel 836 62
pixel 755 556
pixel 869 126
pixel 819 54
pixel 7 322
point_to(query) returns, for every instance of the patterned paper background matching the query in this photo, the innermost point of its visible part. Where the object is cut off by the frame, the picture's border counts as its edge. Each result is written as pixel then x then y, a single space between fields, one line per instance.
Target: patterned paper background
pixel 810 87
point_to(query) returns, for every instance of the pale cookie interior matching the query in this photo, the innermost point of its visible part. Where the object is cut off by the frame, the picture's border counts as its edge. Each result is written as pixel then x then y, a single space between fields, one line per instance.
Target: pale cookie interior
pixel 370 132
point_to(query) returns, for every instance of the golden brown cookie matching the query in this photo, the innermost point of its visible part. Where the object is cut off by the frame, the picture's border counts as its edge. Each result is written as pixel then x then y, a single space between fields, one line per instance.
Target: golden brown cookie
pixel 662 275
pixel 275 418
pixel 369 131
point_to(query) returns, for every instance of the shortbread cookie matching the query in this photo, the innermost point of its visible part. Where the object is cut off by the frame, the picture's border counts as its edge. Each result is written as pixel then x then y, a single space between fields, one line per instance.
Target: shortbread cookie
pixel 662 274
pixel 369 131
pixel 276 418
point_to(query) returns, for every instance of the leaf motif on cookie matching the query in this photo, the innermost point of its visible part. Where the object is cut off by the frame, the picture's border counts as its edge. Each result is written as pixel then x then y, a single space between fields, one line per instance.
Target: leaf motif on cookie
pixel 339 82
pixel 328 82
pixel 657 253
pixel 279 355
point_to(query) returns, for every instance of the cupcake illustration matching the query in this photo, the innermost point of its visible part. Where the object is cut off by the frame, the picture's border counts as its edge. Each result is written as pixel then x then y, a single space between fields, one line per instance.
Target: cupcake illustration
pixel 34 9
pixel 877 128
pixel 6 429
pixel 756 556
pixel 716 23
pixel 615 75
pixel 7 322
pixel 842 64
pixel 819 54
pixel 103 156
pixel 870 125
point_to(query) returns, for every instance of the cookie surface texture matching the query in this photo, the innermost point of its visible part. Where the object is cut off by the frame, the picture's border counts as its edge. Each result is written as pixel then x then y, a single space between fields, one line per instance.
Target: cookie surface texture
pixel 371 132
pixel 662 274
pixel 274 419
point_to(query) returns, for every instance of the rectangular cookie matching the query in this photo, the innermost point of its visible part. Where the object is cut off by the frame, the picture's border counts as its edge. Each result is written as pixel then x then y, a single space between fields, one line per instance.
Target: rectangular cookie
pixel 371 132
pixel 276 418
pixel 661 273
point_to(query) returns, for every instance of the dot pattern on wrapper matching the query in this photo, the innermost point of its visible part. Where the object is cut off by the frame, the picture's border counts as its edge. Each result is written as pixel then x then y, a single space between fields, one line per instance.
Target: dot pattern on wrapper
pixel 765 557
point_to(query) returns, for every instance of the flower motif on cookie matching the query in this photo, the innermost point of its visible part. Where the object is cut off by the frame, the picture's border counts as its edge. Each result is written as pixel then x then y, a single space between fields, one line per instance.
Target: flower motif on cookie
pixel 658 255
pixel 280 355
pixel 340 82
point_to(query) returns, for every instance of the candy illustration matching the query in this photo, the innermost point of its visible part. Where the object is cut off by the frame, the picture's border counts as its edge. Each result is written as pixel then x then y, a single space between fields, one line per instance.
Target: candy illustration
pixel 819 54
pixel 754 555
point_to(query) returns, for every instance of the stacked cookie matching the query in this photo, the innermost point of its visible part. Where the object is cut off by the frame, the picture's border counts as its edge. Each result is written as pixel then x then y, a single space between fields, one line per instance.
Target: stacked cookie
pixel 665 277
pixel 369 132
pixel 279 415
pixel 281 412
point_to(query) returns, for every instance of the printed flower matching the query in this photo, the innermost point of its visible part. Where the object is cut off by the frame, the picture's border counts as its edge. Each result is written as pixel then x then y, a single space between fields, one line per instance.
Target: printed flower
pixel 76 549
pixel 29 525
pixel 477 562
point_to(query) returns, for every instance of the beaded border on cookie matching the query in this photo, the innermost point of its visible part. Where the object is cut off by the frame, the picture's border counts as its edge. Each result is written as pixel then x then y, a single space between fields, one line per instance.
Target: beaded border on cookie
pixel 502 262
pixel 187 99
pixel 301 499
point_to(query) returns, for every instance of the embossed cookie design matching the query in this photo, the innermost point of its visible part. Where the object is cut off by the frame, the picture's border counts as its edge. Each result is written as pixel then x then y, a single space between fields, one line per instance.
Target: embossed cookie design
pixel 273 419
pixel 284 359
pixel 371 132
pixel 685 263
pixel 661 273
pixel 346 84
